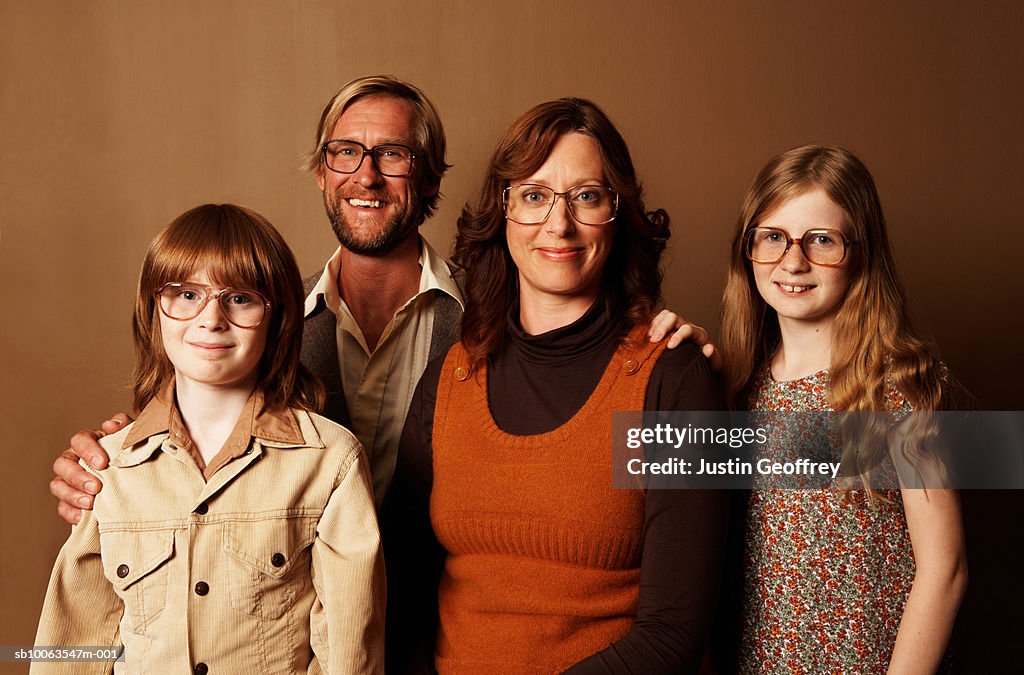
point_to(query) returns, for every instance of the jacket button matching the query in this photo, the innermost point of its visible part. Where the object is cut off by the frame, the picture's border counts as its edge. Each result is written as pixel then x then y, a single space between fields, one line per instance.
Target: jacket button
pixel 201 669
pixel 202 508
pixel 277 559
pixel 122 571
pixel 202 588
pixel 461 373
pixel 632 366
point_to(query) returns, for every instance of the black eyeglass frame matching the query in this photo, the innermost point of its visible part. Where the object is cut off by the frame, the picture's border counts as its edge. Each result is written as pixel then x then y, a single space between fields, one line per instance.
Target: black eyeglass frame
pixel 373 153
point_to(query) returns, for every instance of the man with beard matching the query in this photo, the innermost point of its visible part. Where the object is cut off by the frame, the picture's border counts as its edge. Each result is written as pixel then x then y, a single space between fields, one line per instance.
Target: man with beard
pixel 386 302
pixel 384 305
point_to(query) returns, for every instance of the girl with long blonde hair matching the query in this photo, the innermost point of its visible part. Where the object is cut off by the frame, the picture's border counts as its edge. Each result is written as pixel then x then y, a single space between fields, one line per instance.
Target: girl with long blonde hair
pixel 815 319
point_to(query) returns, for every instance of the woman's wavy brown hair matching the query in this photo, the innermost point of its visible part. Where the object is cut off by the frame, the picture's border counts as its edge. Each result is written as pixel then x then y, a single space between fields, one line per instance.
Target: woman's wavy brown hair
pixel 874 345
pixel 631 279
pixel 241 249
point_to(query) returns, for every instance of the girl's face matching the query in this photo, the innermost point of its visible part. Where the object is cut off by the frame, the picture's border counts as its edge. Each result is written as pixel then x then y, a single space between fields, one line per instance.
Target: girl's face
pixel 801 292
pixel 208 350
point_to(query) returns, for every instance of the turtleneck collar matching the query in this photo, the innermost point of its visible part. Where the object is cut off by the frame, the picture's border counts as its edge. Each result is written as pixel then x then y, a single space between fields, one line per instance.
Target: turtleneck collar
pixel 585 336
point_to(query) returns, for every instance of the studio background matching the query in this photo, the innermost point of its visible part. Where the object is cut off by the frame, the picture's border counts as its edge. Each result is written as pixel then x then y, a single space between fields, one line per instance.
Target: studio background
pixel 118 116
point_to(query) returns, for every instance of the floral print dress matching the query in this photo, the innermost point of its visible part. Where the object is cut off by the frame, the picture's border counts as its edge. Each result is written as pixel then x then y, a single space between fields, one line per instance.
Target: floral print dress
pixel 826 574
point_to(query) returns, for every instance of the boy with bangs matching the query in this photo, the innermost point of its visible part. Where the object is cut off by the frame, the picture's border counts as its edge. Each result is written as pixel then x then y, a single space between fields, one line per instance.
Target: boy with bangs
pixel 236 530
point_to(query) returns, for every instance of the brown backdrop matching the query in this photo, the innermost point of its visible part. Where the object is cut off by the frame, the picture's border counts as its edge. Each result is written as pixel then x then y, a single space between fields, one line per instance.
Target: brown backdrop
pixel 117 116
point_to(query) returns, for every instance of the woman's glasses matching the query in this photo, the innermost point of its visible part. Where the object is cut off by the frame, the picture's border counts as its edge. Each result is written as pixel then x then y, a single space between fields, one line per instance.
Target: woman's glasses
pixel 530 204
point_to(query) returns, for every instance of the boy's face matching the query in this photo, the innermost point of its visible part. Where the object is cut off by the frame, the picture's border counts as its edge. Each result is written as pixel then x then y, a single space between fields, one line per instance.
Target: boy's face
pixel 208 350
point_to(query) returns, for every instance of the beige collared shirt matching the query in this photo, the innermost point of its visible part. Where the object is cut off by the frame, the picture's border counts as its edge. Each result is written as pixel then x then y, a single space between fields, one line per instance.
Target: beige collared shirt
pixel 379 385
pixel 270 563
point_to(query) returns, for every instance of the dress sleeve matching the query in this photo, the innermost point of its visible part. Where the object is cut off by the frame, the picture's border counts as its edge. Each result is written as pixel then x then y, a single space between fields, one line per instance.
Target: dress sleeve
pixel 81 607
pixel 683 548
pixel 348 564
pixel 414 557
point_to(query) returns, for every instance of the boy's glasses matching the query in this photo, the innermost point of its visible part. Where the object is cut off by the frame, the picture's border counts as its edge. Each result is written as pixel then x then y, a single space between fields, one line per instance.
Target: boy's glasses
pixel 183 301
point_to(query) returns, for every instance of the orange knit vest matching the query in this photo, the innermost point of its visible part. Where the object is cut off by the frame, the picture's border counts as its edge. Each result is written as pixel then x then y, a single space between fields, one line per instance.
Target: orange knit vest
pixel 543 563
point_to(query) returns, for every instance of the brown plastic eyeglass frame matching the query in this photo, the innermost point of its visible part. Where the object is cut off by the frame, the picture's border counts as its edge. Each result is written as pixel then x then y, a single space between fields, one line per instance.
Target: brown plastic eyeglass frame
pixel 210 295
pixel 372 153
pixel 551 206
pixel 799 241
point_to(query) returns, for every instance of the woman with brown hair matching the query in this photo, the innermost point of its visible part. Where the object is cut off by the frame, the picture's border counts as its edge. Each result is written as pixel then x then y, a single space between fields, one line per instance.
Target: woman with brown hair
pixel 543 566
pixel 814 319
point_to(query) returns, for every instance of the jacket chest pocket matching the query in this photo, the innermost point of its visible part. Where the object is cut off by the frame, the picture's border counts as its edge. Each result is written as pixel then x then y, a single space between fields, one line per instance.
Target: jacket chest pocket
pixel 136 565
pixel 270 563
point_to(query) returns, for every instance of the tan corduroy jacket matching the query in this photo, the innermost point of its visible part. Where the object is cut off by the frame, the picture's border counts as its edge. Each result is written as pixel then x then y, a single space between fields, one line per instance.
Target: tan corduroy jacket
pixel 272 564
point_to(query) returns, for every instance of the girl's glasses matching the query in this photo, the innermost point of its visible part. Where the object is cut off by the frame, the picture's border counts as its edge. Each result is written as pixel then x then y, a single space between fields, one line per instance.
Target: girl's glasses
pixel 821 247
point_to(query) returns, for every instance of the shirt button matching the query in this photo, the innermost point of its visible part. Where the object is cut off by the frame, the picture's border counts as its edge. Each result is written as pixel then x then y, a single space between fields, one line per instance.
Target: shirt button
pixel 277 559
pixel 202 508
pixel 122 571
pixel 201 669
pixel 202 588
pixel 461 373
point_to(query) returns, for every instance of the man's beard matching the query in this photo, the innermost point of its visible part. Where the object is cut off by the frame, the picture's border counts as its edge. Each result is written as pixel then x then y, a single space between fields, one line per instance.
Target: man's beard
pixel 395 231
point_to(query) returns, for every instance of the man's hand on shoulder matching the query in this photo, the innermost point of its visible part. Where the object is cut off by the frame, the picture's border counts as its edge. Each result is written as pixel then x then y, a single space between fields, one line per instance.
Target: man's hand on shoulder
pixel 73 486
pixel 667 321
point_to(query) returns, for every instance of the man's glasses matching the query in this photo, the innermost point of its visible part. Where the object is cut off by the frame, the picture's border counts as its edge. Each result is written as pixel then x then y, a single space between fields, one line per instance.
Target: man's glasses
pixel 530 204
pixel 821 247
pixel 184 301
pixel 391 159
